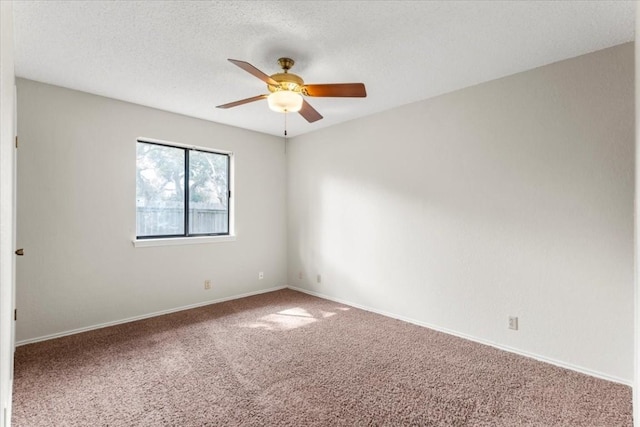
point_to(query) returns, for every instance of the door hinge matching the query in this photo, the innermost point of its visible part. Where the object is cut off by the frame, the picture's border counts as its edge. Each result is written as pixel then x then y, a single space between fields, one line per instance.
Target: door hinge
pixel 229 193
pixel 16 141
pixel 15 314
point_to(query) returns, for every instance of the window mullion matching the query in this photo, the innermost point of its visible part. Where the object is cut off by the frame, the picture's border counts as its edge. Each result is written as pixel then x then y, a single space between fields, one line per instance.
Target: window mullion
pixel 186 192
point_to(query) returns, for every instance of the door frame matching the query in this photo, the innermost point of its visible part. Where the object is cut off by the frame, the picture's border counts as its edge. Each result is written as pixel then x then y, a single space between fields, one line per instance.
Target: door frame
pixel 8 128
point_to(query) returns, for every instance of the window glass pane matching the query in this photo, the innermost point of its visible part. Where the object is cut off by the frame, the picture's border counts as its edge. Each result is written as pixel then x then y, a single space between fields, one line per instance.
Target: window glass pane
pixel 159 190
pixel 208 193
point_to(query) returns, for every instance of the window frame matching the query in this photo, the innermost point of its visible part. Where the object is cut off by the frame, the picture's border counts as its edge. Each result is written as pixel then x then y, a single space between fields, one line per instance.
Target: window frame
pixel 187 237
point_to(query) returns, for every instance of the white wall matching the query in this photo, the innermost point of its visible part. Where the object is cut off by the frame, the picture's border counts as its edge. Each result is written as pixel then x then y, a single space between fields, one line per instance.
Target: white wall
pixel 7 133
pixel 513 197
pixel 76 214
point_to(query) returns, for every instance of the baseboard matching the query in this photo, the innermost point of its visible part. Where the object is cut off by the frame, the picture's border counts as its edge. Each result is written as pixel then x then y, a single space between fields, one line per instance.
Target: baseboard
pixel 538 357
pixel 144 316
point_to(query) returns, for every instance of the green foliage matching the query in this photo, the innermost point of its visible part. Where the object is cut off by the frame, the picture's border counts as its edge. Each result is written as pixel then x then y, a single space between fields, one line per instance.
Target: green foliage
pixel 160 176
pixel 208 178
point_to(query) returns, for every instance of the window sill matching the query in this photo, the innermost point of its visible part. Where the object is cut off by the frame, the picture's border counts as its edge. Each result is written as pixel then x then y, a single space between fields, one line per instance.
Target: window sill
pixel 175 241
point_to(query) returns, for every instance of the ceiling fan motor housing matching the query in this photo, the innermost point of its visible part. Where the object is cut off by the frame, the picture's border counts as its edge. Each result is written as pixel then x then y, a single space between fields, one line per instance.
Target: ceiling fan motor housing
pixel 288 81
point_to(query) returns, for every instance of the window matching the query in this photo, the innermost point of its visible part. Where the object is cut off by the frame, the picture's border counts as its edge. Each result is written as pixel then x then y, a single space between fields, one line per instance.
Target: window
pixel 181 191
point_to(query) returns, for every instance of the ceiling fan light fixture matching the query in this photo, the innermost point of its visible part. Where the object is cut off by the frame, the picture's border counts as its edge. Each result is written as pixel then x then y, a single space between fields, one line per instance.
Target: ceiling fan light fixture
pixel 285 101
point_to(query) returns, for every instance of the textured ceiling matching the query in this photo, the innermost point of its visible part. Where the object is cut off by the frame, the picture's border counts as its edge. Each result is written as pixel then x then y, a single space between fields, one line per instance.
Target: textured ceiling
pixel 172 55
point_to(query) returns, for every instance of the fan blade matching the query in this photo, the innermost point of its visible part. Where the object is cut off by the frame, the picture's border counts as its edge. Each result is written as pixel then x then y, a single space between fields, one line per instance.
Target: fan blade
pixel 254 71
pixel 242 101
pixel 356 90
pixel 309 113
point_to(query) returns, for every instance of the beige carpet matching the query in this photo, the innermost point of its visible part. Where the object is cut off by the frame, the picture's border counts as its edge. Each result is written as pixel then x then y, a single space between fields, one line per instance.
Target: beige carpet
pixel 289 359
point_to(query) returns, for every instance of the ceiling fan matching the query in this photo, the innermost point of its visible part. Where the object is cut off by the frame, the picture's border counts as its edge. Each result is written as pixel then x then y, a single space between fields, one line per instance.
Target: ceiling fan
pixel 286 90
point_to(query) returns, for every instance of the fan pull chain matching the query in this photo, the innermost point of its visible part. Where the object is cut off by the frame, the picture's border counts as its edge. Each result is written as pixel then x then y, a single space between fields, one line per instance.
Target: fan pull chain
pixel 285 132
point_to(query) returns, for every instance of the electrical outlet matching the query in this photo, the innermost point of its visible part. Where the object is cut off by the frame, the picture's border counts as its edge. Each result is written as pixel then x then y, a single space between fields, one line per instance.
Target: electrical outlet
pixel 513 323
pixel 319 278
pixel 207 284
pixel 300 275
pixel 261 275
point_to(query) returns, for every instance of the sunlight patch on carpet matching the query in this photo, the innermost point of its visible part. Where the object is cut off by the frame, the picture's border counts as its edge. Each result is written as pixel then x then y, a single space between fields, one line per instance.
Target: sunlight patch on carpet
pixel 283 320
